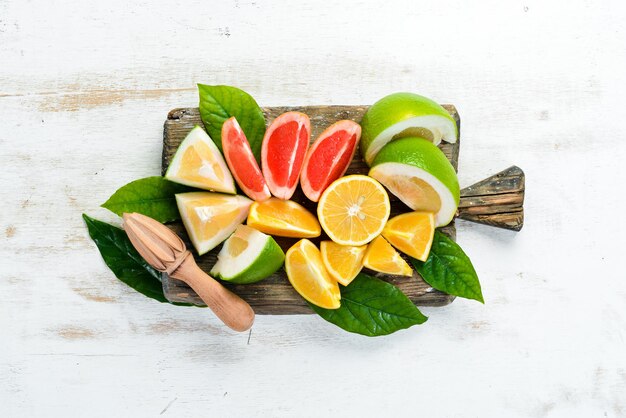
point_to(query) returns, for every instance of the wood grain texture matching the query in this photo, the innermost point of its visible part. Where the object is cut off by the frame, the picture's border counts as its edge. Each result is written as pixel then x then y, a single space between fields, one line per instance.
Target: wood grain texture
pixel 84 87
pixel 496 201
pixel 275 295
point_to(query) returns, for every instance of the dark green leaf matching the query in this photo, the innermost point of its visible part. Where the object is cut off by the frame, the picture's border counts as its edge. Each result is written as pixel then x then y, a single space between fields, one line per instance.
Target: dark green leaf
pixel 151 196
pixel 449 269
pixel 218 103
pixel 122 258
pixel 372 307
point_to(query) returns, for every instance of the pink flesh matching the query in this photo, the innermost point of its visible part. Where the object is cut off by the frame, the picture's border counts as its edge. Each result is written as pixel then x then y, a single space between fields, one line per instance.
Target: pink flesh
pixel 286 149
pixel 241 162
pixel 329 161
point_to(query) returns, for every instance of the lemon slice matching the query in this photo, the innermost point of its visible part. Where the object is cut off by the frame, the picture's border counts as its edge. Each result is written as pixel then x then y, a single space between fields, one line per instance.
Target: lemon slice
pixel 353 210
pixel 412 233
pixel 198 163
pixel 210 218
pixel 383 258
pixel 308 276
pixel 343 262
pixel 283 218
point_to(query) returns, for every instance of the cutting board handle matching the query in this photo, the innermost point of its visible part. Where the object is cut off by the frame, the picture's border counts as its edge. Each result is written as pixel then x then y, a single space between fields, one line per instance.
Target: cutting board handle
pixel 496 201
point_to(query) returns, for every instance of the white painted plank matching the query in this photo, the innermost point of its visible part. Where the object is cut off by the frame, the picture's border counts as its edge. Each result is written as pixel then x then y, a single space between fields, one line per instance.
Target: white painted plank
pixel 84 89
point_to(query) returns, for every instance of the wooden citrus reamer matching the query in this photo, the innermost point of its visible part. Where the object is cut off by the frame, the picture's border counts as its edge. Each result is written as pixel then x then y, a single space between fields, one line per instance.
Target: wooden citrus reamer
pixel 496 201
pixel 167 253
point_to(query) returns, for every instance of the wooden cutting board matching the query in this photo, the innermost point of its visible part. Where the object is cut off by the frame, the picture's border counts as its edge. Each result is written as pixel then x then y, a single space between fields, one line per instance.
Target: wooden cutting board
pixel 496 201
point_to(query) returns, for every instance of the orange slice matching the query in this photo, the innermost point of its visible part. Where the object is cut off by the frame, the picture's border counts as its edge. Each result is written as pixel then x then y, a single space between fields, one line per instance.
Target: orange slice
pixel 210 218
pixel 199 163
pixel 353 210
pixel 412 233
pixel 283 218
pixel 382 257
pixel 343 262
pixel 307 274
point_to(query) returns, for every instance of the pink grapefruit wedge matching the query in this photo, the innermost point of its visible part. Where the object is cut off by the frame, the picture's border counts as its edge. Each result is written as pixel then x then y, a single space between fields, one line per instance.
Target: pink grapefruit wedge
pixel 241 162
pixel 284 147
pixel 329 157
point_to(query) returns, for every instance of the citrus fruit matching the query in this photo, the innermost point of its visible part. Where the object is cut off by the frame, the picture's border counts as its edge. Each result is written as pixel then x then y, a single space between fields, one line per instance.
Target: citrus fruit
pixel 198 163
pixel 283 218
pixel 248 256
pixel 343 262
pixel 307 274
pixel 412 233
pixel 404 114
pixel 283 150
pixel 353 210
pixel 241 162
pixel 329 157
pixel 382 257
pixel 420 175
pixel 210 218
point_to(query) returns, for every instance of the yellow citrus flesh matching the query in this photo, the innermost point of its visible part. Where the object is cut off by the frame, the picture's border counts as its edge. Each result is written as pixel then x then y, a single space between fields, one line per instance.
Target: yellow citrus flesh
pixel 415 192
pixel 283 218
pixel 308 276
pixel 353 210
pixel 343 262
pixel 382 257
pixel 412 233
pixel 211 217
pixel 200 165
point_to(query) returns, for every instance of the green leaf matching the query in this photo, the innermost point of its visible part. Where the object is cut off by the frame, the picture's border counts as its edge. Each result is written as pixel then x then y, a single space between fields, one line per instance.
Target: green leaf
pixel 449 269
pixel 150 196
pixel 218 103
pixel 122 258
pixel 372 307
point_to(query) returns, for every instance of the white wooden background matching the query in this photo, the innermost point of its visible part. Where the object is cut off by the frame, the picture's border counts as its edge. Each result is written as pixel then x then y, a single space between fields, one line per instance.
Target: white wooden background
pixel 84 89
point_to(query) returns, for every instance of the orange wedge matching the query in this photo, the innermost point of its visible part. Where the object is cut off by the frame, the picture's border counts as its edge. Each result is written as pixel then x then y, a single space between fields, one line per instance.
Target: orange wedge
pixel 210 218
pixel 412 233
pixel 343 262
pixel 283 218
pixel 353 210
pixel 307 274
pixel 382 257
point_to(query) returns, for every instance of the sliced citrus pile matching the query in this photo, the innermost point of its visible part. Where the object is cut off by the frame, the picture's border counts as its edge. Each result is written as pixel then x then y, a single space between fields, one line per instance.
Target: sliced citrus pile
pixel 283 150
pixel 382 257
pixel 353 210
pixel 211 217
pixel 329 157
pixel 412 233
pixel 198 163
pixel 401 115
pixel 420 175
pixel 241 162
pixel 248 256
pixel 343 262
pixel 308 276
pixel 283 218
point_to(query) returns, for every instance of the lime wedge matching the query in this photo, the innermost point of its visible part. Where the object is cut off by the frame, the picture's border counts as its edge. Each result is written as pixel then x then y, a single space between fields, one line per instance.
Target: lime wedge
pixel 248 256
pixel 402 115
pixel 418 173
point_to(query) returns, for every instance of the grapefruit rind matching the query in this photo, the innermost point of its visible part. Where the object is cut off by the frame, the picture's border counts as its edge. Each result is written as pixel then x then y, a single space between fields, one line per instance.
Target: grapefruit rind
pixel 285 191
pixel 351 128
